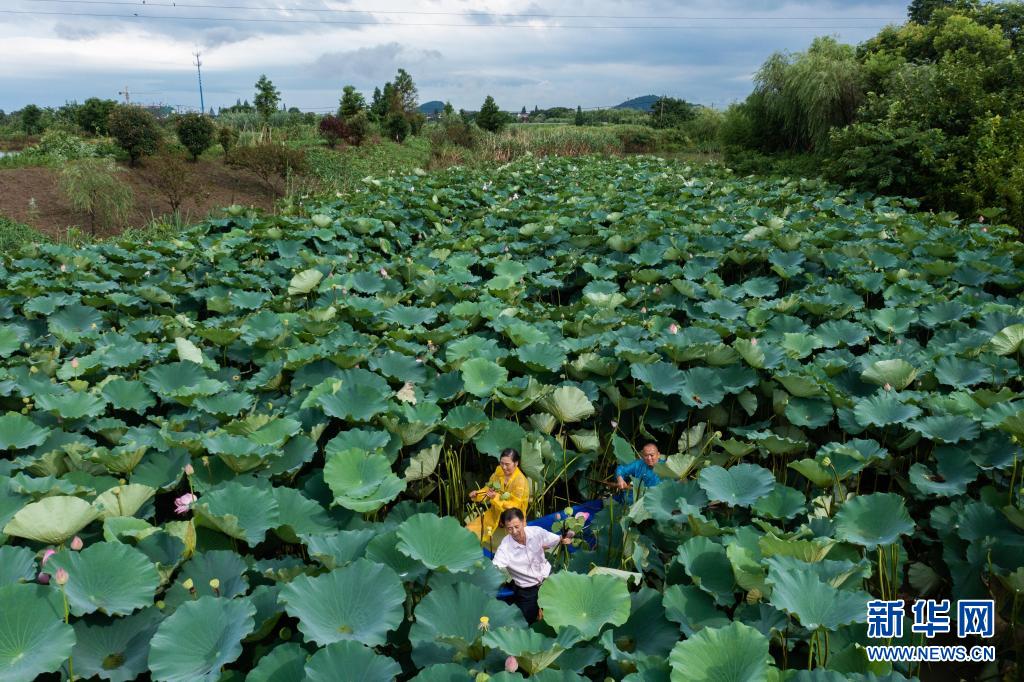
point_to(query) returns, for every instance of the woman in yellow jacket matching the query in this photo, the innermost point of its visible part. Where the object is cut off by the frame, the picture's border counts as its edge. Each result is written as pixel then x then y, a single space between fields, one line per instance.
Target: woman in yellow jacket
pixel 507 488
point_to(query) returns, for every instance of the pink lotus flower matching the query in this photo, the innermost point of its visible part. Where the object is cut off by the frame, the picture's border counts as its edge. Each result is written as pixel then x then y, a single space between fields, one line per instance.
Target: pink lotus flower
pixel 753 342
pixel 614 424
pixel 673 328
pixel 77 544
pixel 984 229
pixel 61 577
pixel 583 515
pixel 74 363
pixel 182 504
pixel 511 664
pixel 189 470
pixel 887 386
pixel 43 579
pixel 63 268
pixel 46 555
pixel 384 273
pixel 643 310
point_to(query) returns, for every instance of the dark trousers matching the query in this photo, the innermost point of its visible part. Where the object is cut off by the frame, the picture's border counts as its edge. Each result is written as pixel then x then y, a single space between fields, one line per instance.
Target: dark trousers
pixel 526 599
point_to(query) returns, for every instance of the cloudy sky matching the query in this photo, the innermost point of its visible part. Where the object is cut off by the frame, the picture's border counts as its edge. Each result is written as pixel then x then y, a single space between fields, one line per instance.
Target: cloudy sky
pixel 527 52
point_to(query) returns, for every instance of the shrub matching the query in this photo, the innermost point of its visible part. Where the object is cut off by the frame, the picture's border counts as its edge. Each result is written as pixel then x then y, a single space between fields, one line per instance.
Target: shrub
pixel 93 187
pixel 396 126
pixel 173 178
pixel 32 119
pixel 490 117
pixel 270 162
pixel 637 140
pixel 59 145
pixel 332 129
pixel 227 137
pixel 196 132
pixel 358 128
pixel 452 130
pixel 93 115
pixel 135 130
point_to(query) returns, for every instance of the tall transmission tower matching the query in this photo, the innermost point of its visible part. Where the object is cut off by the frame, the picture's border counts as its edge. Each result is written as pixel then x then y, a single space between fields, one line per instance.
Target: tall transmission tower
pixel 199 72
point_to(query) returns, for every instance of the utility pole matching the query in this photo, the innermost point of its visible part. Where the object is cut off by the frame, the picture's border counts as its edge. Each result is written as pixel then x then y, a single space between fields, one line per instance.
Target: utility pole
pixel 199 71
pixel 127 96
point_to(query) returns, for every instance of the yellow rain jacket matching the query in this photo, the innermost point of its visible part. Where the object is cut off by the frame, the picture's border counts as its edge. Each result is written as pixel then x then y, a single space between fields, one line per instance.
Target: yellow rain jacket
pixel 518 489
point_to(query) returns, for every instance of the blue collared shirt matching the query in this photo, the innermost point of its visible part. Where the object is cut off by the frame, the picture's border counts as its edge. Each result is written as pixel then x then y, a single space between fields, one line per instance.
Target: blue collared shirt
pixel 638 470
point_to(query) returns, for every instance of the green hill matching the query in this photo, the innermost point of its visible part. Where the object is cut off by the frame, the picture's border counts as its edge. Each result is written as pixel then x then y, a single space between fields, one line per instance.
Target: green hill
pixel 641 103
pixel 431 108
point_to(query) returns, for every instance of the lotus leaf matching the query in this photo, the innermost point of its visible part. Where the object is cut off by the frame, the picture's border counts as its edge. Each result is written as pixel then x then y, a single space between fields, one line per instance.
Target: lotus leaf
pixel 481 376
pixel 362 602
pixel 816 603
pixel 359 663
pixel 734 653
pixel 739 486
pixel 361 481
pixel 534 651
pixel 51 520
pixel 18 431
pixel 240 511
pixel 587 603
pixel 200 637
pixel 34 639
pixel 873 520
pixel 116 651
pixel 110 577
pixel 439 543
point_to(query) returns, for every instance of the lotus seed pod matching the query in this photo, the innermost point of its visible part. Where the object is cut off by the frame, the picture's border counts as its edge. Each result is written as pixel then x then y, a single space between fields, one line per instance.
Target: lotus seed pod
pixel 826 461
pixel 188 584
pixel 284 634
pixel 214 583
pixel 754 596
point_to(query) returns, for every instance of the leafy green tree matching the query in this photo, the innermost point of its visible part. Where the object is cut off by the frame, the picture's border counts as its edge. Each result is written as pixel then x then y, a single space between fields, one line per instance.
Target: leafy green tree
pixel 352 102
pixel 490 117
pixel 378 109
pixel 267 97
pixel 135 130
pixel 31 119
pixel 93 114
pixel 396 126
pixel 196 133
pixel 92 186
pixel 227 137
pixel 579 115
pixel 921 11
pixel 449 110
pixel 669 112
pixel 406 92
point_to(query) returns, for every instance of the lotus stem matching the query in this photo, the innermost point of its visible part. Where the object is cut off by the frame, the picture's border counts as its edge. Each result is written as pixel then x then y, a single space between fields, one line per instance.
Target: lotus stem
pixel 881 573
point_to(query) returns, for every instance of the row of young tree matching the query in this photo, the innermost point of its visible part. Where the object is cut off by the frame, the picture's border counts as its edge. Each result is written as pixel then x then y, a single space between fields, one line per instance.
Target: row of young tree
pixel 933 108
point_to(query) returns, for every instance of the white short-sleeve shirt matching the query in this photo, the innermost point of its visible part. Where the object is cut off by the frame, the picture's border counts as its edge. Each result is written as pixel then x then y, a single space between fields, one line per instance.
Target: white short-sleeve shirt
pixel 527 564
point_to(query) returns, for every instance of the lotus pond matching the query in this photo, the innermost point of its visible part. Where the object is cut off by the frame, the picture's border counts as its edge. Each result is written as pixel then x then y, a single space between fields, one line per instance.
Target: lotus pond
pixel 835 378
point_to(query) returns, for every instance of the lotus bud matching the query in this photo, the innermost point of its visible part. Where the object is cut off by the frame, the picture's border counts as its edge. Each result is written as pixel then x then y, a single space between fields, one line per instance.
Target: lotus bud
pixel 74 363
pixel 753 342
pixel 511 664
pixel 887 386
pixel 189 470
pixel 46 555
pixel 77 544
pixel 485 623
pixel 43 579
pixel 754 596
pixel 673 328
pixel 63 267
pixel 61 577
pixel 826 461
pixel 614 424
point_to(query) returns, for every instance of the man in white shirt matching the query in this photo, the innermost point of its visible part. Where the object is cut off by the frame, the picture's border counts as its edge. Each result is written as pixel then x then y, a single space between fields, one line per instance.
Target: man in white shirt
pixel 521 554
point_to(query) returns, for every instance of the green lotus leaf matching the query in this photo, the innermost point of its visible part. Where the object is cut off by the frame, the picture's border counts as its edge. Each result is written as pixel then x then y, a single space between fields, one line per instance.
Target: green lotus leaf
pixel 961 373
pixel 361 481
pixel 283 663
pixel 873 520
pixel 383 549
pixel 481 376
pixel 11 338
pixel 702 387
pixel 240 511
pixel 188 351
pixel 465 422
pixel 409 316
pixel 226 404
pixel 423 463
pixel 948 428
pixel 893 320
pixel 71 404
pixel 125 394
pixel 647 632
pixel 1009 340
pixel 362 396
pixel 75 322
pixel 661 377
pixel 816 604
pixel 362 602
pixel 359 663
pixel 51 520
pixel 781 503
pixel 110 577
pixel 299 515
pixel 439 543
pixel 954 471
pixel 897 373
pixel 18 431
pixel 181 381
pixel 567 404
pixel 692 608
pixel 585 602
pixel 117 650
pixel 34 639
pixel 735 653
pixel 520 393
pixel 198 638
pixel 337 549
pixel 122 500
pixel 532 650
pixel 499 434
pixel 451 615
pixel 226 566
pixel 444 672
pixel 541 357
pixel 364 439
pixel 810 412
pixel 739 486
pixel 708 565
pixel 17 564
pixel 883 409
pixel 304 282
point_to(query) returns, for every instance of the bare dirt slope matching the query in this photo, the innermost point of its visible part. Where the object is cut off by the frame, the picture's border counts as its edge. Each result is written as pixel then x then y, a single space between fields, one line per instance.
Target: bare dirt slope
pixel 53 214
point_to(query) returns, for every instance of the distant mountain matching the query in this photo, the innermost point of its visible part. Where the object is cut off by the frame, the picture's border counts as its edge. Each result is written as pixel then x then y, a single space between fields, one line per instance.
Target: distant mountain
pixel 431 108
pixel 642 103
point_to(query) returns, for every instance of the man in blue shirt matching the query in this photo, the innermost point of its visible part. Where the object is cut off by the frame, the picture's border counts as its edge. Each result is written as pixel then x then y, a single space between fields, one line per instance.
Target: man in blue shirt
pixel 641 470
